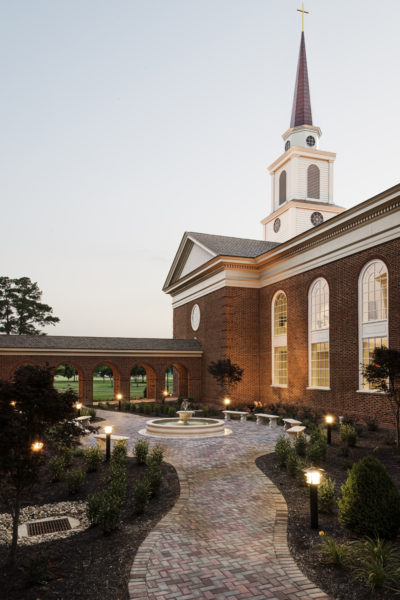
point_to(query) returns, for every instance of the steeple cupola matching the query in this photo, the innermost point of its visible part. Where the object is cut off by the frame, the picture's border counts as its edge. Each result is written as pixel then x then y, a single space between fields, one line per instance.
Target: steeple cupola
pixel 302 177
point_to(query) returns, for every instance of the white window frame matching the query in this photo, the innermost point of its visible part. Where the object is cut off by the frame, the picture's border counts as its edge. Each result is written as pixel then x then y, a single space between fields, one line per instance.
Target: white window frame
pixel 277 341
pixel 317 335
pixel 370 329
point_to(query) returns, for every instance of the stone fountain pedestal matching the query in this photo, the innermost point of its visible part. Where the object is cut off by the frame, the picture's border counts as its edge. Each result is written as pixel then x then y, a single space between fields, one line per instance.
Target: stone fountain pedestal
pixel 185 415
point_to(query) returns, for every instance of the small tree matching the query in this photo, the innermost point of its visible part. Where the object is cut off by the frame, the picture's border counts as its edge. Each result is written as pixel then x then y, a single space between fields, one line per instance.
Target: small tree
pixel 384 374
pixel 226 374
pixel 29 409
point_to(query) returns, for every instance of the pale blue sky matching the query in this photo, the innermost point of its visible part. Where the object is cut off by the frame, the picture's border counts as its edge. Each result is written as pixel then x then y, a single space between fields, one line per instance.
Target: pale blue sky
pixel 125 123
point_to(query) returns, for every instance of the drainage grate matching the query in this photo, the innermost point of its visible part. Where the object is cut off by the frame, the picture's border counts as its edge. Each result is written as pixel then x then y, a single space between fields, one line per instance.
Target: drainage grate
pixel 41 527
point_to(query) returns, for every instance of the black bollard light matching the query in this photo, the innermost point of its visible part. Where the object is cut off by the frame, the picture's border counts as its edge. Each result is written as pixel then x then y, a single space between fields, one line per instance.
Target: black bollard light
pixel 313 477
pixel 119 398
pixel 78 407
pixel 108 432
pixel 329 422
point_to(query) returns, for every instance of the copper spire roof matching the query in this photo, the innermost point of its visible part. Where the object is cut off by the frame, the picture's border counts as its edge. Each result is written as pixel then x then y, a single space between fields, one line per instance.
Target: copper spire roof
pixel 301 111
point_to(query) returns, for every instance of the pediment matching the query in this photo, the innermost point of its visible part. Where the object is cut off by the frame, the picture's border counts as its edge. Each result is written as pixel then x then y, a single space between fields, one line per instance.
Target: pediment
pixel 190 256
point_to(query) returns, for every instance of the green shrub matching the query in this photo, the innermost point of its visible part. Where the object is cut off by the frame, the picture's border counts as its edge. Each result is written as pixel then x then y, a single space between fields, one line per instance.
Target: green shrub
pixel 120 451
pixel 109 512
pixel 141 451
pixel 93 507
pixel 206 410
pixel 141 496
pixel 348 434
pixel 282 449
pixel 331 553
pixel 155 456
pixel 171 411
pixel 66 453
pixel 300 445
pixel 317 434
pixel 79 452
pixel 89 412
pixel 317 450
pixel 154 478
pixel 94 457
pixel 57 468
pixel 370 502
pixel 372 423
pixel 75 480
pixel 377 563
pixel 326 496
pixel 292 461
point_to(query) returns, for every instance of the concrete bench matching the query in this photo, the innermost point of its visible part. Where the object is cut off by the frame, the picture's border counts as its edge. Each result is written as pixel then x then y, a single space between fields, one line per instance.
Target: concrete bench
pixel 84 421
pixel 291 423
pixel 294 432
pixel 101 439
pixel 273 419
pixel 243 415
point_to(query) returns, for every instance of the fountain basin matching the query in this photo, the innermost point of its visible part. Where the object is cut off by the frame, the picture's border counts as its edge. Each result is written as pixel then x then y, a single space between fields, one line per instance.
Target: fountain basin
pixel 192 427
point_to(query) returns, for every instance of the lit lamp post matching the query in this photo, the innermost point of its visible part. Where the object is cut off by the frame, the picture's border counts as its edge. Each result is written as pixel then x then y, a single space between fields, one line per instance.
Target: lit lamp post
pixel 227 402
pixel 165 394
pixel 78 407
pixel 108 432
pixel 119 398
pixel 313 477
pixel 37 446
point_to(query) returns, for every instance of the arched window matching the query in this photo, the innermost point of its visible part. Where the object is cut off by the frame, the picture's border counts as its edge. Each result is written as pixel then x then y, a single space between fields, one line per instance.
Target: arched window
pixel 373 312
pixel 279 339
pixel 313 182
pixel 318 334
pixel 282 187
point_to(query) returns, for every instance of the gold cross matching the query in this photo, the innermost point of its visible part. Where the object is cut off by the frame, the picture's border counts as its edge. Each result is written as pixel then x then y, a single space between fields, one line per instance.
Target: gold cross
pixel 302 16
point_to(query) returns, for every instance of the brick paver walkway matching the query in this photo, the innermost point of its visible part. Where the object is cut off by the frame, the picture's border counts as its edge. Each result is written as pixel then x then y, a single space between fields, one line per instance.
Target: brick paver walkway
pixel 226 535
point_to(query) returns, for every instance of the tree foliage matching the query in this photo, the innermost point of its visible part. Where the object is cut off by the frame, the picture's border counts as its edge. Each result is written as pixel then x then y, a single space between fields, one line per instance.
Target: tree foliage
pixel 21 309
pixel 226 374
pixel 29 408
pixel 384 374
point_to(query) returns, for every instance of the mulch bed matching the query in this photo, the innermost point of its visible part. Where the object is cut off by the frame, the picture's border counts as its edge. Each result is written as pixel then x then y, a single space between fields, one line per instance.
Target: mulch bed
pixel 303 541
pixel 88 564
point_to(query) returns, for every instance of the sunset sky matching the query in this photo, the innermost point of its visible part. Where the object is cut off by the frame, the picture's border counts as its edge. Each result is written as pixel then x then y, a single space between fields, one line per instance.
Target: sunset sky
pixel 126 123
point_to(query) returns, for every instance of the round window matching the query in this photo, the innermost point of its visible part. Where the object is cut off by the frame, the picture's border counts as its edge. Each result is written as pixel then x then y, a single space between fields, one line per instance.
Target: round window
pixel 195 317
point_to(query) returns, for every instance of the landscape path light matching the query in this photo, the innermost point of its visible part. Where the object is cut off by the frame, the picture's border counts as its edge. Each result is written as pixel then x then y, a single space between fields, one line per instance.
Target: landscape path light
pixel 119 398
pixel 313 478
pixel 165 394
pixel 37 446
pixel 78 407
pixel 329 420
pixel 227 402
pixel 108 431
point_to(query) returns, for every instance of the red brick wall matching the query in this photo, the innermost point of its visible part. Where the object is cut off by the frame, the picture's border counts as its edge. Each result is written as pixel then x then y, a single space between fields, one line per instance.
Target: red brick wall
pixel 211 334
pixel 236 322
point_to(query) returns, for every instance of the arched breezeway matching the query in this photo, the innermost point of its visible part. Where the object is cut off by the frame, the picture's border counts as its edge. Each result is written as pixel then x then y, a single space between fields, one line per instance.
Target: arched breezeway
pixel 120 356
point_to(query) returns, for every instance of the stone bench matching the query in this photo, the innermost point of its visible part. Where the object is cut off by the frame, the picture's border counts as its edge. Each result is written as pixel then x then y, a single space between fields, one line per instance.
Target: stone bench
pixel 243 415
pixel 294 432
pixel 291 423
pixel 273 419
pixel 84 421
pixel 101 439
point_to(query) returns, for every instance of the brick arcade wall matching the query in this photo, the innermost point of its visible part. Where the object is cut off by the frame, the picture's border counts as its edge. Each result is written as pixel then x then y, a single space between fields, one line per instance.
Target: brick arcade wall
pixel 236 322
pixel 122 366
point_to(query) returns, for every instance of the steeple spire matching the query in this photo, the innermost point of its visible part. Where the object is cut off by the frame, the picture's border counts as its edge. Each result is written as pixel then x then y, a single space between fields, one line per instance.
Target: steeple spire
pixel 301 111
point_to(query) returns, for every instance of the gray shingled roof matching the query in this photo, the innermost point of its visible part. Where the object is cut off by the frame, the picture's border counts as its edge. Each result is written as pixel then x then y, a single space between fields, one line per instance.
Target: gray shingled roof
pixel 55 342
pixel 223 245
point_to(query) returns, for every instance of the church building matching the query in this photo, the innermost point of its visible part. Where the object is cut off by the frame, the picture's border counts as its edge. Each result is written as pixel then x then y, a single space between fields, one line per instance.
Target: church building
pixel 302 309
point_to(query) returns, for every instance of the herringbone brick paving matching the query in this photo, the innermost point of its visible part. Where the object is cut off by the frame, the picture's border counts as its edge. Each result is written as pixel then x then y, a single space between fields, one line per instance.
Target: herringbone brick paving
pixel 226 535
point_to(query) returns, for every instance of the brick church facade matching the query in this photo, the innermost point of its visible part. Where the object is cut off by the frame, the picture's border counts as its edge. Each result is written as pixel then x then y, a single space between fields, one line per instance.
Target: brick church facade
pixel 301 310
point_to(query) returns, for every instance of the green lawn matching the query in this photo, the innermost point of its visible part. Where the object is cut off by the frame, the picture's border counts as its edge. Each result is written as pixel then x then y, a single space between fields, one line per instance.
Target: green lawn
pixel 104 390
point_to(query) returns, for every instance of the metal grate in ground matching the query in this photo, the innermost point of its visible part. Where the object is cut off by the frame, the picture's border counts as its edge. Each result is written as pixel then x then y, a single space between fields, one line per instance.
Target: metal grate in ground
pixel 51 526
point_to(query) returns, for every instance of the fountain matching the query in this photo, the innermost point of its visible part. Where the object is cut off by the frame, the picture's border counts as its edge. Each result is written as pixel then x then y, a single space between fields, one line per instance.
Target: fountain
pixel 186 426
